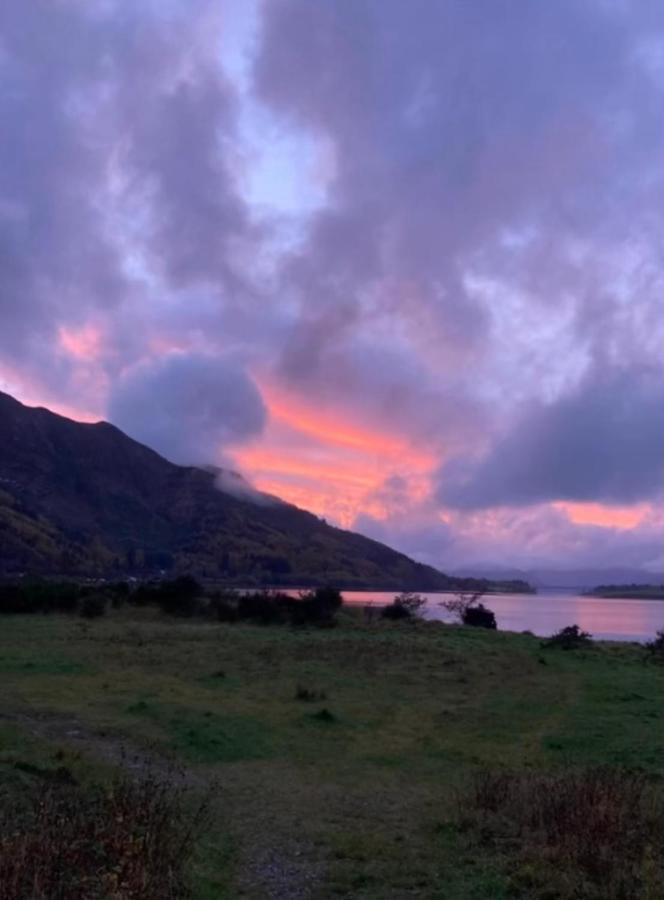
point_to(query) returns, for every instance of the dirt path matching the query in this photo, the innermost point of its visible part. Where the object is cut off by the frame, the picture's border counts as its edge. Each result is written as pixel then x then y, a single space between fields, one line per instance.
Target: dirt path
pixel 272 864
pixel 115 750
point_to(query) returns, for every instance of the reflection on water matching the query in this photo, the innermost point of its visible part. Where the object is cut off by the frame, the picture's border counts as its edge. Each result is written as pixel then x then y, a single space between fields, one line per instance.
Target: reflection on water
pixel 549 611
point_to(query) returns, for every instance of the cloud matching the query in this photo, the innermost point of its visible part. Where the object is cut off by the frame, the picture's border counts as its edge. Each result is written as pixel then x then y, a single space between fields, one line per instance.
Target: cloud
pixel 451 127
pixel 602 442
pixel 474 277
pixel 188 407
pixel 115 186
pixel 428 541
pixel 492 212
pixel 237 486
pixel 536 536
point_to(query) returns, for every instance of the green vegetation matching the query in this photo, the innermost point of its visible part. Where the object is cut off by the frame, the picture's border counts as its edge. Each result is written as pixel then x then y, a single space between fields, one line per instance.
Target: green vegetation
pixel 656 647
pixel 377 759
pixel 480 617
pixel 405 606
pixel 569 638
pixel 131 838
pixel 594 834
pixel 183 597
pixel 628 591
pixel 468 610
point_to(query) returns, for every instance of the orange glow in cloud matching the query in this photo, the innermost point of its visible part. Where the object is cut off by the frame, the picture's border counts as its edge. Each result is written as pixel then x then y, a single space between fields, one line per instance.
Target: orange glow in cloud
pixel 325 461
pixel 326 427
pixel 260 460
pixel 623 517
pixel 83 343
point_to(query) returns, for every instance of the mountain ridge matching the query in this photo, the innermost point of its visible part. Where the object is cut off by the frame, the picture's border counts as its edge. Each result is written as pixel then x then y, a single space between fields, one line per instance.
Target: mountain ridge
pixel 86 499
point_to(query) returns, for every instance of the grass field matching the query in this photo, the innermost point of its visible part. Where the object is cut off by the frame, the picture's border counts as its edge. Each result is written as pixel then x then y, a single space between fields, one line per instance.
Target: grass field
pixel 338 759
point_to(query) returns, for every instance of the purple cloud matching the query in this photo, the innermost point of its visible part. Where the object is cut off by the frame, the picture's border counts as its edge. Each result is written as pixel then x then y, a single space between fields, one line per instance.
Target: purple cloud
pixel 479 273
pixel 188 407
pixel 602 442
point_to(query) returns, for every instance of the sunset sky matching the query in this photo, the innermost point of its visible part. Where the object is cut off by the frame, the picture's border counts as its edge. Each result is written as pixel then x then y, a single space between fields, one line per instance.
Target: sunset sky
pixel 397 261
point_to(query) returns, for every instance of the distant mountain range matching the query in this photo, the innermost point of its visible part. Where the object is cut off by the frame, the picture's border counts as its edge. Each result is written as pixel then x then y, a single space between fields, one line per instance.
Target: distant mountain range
pixel 565 579
pixel 85 499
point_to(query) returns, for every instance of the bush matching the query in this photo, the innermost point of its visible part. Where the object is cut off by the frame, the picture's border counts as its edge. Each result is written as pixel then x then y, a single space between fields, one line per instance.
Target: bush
pixel 277 608
pixel 406 605
pixel 32 597
pixel 479 617
pixel 175 597
pixel 222 606
pixel 317 607
pixel 56 597
pixel 130 841
pixel 184 597
pixel 591 833
pixel 13 600
pixel 329 599
pixel 119 593
pixel 93 606
pixel 263 607
pixel 395 612
pixel 656 647
pixel 569 638
pixel 461 603
pixel 179 597
pixel 145 595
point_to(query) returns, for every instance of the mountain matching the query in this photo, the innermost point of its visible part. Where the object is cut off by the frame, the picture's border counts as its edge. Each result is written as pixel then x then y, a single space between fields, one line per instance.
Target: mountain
pixel 88 500
pixel 566 579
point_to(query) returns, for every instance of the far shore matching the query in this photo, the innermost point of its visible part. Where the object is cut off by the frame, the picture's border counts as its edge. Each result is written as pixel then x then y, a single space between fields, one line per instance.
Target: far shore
pixel 497 592
pixel 645 593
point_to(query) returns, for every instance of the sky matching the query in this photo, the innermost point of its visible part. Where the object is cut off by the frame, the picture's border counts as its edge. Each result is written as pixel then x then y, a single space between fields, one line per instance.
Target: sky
pixel 400 263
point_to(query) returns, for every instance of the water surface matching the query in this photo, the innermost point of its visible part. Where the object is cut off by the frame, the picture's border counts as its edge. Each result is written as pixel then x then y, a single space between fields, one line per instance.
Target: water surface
pixel 549 611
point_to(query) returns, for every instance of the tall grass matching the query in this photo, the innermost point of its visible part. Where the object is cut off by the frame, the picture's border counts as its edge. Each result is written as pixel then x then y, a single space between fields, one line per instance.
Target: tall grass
pixel 595 833
pixel 130 841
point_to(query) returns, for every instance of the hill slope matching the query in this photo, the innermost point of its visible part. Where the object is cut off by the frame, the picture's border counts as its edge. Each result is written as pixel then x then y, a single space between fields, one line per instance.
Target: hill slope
pixel 86 499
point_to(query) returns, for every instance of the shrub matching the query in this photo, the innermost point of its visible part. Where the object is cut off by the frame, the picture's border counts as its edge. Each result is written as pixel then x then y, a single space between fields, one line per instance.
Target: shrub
pixel 569 638
pixel 119 593
pixel 130 841
pixel 145 595
pixel 93 606
pixel 329 599
pixel 277 608
pixel 222 606
pixel 656 647
pixel 395 612
pixel 461 603
pixel 175 597
pixel 317 607
pixel 262 607
pixel 13 600
pixel 30 597
pixel 406 605
pixel 55 597
pixel 180 596
pixel 479 617
pixel 594 833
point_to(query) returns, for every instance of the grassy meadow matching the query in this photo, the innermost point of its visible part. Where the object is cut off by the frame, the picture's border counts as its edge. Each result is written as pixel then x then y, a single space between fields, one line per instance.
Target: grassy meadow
pixel 362 761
